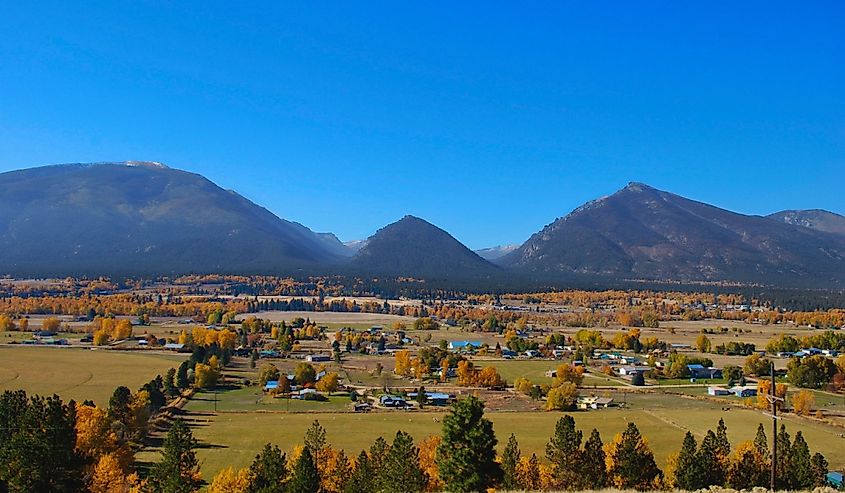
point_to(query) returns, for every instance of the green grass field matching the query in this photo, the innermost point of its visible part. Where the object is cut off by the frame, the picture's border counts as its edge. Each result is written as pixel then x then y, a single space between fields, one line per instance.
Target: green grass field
pixel 253 399
pixel 78 374
pixel 233 438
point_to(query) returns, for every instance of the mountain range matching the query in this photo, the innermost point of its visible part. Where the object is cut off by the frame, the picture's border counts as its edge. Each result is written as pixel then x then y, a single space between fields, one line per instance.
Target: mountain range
pixel 144 218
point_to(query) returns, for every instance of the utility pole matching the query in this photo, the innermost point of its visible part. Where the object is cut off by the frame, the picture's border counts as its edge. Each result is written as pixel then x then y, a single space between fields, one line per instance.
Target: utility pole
pixel 774 399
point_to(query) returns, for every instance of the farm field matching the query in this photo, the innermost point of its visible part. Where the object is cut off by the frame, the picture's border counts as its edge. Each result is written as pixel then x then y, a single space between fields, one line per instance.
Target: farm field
pixel 331 317
pixel 79 374
pixel 233 438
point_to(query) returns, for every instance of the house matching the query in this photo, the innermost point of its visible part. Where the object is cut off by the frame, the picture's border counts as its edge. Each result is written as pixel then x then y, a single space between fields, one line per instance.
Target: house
pixel 700 371
pixel 717 391
pixel 593 402
pixel 173 346
pixel 46 333
pixel 434 398
pixel 316 358
pixel 464 345
pixel 745 391
pixel 362 407
pixel 271 385
pixel 630 371
pixel 392 401
pixel 532 353
pixel 835 479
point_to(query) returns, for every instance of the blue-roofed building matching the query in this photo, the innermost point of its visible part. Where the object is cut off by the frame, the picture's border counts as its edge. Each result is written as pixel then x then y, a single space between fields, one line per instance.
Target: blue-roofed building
pixel 835 479
pixel 701 371
pixel 464 345
pixel 271 385
pixel 392 401
pixel 434 398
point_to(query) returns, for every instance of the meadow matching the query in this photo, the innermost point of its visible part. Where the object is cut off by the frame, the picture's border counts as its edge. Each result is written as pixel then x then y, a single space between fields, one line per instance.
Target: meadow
pixel 79 374
pixel 233 438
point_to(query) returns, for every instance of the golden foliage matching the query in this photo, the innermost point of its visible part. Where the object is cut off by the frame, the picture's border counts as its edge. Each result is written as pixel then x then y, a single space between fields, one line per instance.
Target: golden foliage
pixel 803 402
pixel 561 397
pixel 427 455
pixel 229 480
pixel 403 363
pixel 329 383
pixel 108 477
pixel 764 388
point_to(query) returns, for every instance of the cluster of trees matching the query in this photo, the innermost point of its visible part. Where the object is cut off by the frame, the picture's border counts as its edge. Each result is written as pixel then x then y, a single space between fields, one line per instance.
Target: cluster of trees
pixel 106 329
pixel 49 445
pixel 711 463
pixel 562 394
pixel 120 304
pixel 786 343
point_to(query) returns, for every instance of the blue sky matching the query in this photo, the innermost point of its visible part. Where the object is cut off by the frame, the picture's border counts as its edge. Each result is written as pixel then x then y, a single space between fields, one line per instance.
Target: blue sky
pixel 489 119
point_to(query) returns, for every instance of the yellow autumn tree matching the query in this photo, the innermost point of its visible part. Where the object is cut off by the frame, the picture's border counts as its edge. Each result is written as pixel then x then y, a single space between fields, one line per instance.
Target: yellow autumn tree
pixel 568 373
pixel 205 377
pixel 109 477
pixel 562 397
pixel 229 480
pixel 803 402
pixel 528 473
pixel 6 323
pixel 428 462
pixel 403 363
pixel 329 383
pixel 334 468
pixel 94 437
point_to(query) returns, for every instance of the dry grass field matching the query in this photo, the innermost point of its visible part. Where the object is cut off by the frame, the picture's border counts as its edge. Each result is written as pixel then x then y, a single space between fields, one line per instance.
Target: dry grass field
pixel 80 374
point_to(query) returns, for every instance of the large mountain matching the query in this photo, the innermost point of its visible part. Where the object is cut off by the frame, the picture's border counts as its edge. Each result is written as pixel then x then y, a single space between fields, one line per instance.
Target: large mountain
pixel 141 218
pixel 817 219
pixel 416 248
pixel 644 233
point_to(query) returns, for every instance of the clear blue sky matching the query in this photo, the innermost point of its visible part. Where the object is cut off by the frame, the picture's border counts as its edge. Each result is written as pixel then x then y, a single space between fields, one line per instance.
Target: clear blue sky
pixel 488 119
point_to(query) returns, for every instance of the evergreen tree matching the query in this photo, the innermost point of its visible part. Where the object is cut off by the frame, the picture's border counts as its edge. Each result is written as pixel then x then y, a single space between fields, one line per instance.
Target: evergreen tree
pixel 723 445
pixel 378 454
pixel 466 458
pixel 564 453
pixel 119 405
pixel 402 466
pixel 594 470
pixel 38 444
pixel 819 465
pixel 689 474
pixel 170 383
pixel 761 443
pixel 268 471
pixel 315 438
pixel 182 376
pixel 304 477
pixel 800 466
pixel 510 459
pixel 783 466
pixel 178 470
pixel 631 462
pixel 709 459
pixel 362 478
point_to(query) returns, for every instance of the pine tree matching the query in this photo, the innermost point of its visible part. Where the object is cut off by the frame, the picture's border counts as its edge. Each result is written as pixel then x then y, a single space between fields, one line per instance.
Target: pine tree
pixel 708 458
pixel 761 443
pixel 594 469
pixel 378 454
pixel 748 468
pixel 466 458
pixel 178 470
pixel 510 459
pixel 119 405
pixel 689 475
pixel 170 383
pixel 631 462
pixel 182 376
pixel 723 445
pixel 402 465
pixel 783 466
pixel 304 477
pixel 268 471
pixel 362 478
pixel 819 466
pixel 315 438
pixel 800 467
pixel 564 453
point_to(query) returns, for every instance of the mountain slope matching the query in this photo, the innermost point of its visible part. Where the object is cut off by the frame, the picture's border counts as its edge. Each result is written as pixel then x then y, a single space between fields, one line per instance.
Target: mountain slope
pixel 416 248
pixel 140 218
pixel 644 233
pixel 818 219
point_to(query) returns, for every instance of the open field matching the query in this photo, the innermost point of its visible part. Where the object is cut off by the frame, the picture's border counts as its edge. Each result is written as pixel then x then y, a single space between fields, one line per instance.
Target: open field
pixel 79 374
pixel 233 438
